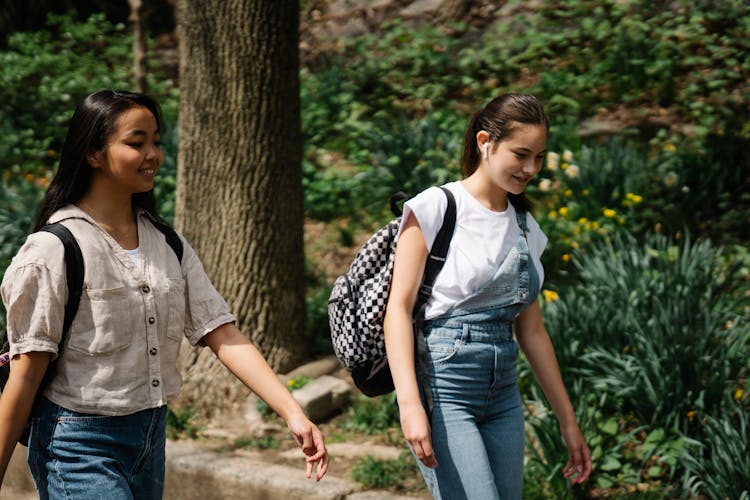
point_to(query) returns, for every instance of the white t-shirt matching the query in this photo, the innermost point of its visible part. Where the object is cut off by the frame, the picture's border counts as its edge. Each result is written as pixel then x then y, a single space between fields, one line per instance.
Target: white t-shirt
pixel 481 240
pixel 135 255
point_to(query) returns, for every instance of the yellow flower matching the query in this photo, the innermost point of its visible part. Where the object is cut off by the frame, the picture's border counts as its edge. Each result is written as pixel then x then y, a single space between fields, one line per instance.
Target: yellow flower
pixel 566 257
pixel 563 211
pixel 635 198
pixel 290 382
pixel 563 166
pixel 608 212
pixel 583 220
pixel 552 214
pixel 738 394
pixel 575 243
pixel 550 295
pixel 670 148
pixel 29 177
pixel 691 415
pixel 585 192
pixel 568 192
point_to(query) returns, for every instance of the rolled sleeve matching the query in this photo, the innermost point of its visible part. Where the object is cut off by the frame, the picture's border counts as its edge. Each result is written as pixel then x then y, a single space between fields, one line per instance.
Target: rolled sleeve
pixel 34 298
pixel 205 308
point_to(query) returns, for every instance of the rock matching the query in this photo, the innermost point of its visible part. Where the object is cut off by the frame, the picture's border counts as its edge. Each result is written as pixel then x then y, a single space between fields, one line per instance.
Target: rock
pixel 422 7
pixel 322 397
pixel 315 369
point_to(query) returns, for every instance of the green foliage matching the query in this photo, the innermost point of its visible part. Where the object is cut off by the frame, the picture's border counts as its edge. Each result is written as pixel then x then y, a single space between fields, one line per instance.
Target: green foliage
pixel 385 474
pixel 181 422
pixel 372 415
pixel 677 340
pixel 717 465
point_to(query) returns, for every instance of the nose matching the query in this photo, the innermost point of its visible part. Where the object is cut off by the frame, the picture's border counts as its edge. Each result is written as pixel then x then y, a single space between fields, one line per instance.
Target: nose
pixel 531 166
pixel 152 152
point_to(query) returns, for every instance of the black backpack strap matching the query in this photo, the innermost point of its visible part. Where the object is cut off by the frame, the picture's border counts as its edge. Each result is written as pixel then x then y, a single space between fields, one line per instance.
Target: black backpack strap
pixel 170 235
pixel 74 271
pixel 435 262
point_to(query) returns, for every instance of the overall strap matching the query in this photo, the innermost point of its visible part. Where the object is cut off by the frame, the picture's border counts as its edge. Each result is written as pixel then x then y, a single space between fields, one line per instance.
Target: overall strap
pixel 434 264
pixel 521 219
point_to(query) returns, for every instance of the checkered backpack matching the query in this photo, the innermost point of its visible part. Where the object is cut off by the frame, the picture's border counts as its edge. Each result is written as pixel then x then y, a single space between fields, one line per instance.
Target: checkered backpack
pixel 356 307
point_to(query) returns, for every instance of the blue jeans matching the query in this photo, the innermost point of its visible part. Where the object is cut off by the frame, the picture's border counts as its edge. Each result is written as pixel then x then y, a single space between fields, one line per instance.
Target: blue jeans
pixel 81 456
pixel 477 419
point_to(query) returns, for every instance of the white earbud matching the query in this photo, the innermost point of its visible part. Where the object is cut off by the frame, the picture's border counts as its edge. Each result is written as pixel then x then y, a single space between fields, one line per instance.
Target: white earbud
pixel 486 151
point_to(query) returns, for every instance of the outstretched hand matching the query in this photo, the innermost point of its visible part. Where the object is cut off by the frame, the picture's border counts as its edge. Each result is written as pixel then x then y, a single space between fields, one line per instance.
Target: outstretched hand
pixel 310 440
pixel 578 467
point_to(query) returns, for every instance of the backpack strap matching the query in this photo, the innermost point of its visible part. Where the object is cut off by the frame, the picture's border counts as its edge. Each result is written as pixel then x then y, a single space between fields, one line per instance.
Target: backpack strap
pixel 435 262
pixel 74 271
pixel 170 235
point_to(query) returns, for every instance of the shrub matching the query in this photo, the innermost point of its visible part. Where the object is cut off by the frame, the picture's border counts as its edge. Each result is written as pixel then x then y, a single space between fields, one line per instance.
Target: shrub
pixel 676 339
pixel 372 415
pixel 718 464
pixel 385 474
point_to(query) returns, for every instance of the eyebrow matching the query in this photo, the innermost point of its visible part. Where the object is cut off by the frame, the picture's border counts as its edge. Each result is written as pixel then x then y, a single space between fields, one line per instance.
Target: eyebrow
pixel 142 133
pixel 527 150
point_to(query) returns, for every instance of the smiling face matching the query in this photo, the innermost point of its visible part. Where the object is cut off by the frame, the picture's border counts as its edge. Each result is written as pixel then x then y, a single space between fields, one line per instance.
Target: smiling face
pixel 511 163
pixel 132 156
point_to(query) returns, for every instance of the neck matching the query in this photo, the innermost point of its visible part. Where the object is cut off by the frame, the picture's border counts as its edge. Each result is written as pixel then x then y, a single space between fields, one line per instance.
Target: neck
pixel 115 215
pixel 486 193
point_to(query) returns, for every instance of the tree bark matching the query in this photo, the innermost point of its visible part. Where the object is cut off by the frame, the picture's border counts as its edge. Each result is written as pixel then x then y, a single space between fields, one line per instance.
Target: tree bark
pixel 239 181
pixel 139 45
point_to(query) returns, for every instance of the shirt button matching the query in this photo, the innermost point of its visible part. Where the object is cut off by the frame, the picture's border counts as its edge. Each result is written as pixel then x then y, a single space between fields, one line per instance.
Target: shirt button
pixel 155 383
pixel 145 289
pixel 153 352
pixel 151 320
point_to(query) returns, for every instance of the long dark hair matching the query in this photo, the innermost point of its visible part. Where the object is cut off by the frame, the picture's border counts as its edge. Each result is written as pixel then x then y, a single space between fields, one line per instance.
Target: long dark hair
pixel 499 118
pixel 92 123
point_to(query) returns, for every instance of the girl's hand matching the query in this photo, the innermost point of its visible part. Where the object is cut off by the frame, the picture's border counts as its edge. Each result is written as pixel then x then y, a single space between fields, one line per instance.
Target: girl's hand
pixel 309 438
pixel 578 467
pixel 416 429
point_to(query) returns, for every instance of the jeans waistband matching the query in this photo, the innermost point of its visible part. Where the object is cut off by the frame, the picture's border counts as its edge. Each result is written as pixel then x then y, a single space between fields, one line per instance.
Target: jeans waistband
pixel 470 329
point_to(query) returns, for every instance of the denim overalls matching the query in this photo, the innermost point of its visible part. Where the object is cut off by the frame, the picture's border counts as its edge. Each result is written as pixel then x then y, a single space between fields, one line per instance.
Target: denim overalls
pixel 477 418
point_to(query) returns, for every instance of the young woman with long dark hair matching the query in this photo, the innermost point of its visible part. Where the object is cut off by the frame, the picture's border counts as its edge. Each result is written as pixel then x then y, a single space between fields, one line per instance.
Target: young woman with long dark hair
pixel 99 429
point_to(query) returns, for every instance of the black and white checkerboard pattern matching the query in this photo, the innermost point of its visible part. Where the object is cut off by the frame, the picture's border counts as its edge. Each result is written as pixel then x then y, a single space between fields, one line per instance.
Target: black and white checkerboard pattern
pixel 356 306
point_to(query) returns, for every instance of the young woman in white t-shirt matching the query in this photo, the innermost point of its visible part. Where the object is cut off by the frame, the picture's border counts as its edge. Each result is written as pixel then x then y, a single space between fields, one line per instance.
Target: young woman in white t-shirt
pixel 472 444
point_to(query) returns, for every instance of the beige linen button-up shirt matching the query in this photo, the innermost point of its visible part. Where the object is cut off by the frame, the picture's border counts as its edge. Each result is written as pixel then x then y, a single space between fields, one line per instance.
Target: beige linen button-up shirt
pixel 122 347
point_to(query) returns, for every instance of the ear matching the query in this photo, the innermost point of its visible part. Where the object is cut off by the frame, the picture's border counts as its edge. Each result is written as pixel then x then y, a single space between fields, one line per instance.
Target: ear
pixel 483 137
pixel 94 158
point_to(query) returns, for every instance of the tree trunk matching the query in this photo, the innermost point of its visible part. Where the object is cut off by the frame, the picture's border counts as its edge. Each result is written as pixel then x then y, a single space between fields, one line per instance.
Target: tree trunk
pixel 139 45
pixel 239 182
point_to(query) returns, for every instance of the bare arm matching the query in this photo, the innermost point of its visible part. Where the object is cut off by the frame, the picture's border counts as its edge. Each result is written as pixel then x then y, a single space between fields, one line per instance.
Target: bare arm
pixel 533 339
pixel 244 360
pixel 17 400
pixel 409 263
